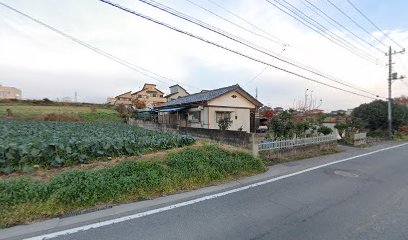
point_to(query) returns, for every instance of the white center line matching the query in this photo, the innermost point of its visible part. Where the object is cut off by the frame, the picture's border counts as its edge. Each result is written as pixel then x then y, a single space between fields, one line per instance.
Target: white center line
pixel 197 200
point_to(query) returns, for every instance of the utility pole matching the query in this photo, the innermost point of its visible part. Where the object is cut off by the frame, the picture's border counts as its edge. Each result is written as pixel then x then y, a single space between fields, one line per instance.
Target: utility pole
pixel 391 77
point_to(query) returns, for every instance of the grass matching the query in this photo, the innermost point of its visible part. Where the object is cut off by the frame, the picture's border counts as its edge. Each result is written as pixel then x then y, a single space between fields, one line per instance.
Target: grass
pixel 23 200
pixel 27 110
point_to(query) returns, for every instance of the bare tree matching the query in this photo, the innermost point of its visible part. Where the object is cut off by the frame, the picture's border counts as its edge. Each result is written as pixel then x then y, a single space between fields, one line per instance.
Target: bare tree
pixel 309 103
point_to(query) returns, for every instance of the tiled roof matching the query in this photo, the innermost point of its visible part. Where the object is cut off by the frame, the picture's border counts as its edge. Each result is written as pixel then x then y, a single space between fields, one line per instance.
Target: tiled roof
pixel 206 96
pixel 201 97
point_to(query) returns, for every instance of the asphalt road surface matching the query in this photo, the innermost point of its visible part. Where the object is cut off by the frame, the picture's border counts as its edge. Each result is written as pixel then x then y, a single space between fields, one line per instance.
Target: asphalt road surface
pixel 364 198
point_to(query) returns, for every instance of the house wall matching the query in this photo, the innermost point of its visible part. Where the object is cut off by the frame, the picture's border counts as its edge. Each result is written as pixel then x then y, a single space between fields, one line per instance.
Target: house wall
pixel 177 95
pixel 240 118
pixel 125 99
pixel 232 99
pixel 203 123
pixel 9 93
pixel 235 103
pixel 178 92
pixel 146 95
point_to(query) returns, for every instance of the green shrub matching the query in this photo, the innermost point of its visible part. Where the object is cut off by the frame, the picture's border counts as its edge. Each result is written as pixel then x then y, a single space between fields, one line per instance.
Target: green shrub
pixel 224 123
pixel 178 171
pixel 325 130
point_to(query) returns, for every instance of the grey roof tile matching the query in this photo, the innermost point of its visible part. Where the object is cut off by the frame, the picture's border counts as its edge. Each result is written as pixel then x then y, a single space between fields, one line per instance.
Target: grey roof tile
pixel 200 97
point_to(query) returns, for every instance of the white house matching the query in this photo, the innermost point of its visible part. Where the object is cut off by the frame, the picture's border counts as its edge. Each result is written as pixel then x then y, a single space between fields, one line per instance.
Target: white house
pixel 204 109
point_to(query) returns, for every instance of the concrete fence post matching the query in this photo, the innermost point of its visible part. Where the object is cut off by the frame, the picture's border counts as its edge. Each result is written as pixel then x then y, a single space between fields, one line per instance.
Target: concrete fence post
pixel 254 147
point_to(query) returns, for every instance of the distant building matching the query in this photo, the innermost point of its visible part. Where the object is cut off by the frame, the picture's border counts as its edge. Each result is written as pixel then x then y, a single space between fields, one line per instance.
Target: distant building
pixel 349 111
pixel 176 91
pixel 66 99
pixel 278 109
pixel 110 101
pixel 338 112
pixel 10 93
pixel 314 111
pixel 124 99
pixel 150 94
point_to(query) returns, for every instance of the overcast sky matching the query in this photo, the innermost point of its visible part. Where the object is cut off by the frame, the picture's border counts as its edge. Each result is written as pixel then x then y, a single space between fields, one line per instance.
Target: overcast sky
pixel 45 64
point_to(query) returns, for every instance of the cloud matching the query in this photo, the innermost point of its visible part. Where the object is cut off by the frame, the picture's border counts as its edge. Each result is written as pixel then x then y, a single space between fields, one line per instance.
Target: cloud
pixel 44 64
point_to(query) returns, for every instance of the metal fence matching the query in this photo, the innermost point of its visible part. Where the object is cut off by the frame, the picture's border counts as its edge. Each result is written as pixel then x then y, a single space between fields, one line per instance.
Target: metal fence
pixel 271 145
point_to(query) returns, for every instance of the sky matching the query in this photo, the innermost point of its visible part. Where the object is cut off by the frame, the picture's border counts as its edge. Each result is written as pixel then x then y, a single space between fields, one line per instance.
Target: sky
pixel 45 64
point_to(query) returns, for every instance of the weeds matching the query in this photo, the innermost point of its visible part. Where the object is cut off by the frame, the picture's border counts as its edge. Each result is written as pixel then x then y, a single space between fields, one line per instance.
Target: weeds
pixel 23 200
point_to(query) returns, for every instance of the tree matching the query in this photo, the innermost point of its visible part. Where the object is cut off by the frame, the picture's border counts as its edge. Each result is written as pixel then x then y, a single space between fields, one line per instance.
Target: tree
pixel 325 130
pixel 268 114
pixel 139 104
pixel 224 123
pixel 403 100
pixel 264 109
pixel 301 128
pixel 375 115
pixel 123 112
pixel 341 128
pixel 282 126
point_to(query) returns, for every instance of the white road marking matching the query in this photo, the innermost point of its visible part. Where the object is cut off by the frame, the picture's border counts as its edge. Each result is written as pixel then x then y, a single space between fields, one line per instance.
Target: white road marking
pixel 197 200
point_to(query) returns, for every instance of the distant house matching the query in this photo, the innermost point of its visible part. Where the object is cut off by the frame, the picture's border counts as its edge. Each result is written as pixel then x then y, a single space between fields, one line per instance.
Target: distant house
pixel 124 99
pixel 176 91
pixel 315 112
pixel 278 109
pixel 66 99
pixel 204 109
pixel 338 112
pixel 110 101
pixel 10 93
pixel 150 94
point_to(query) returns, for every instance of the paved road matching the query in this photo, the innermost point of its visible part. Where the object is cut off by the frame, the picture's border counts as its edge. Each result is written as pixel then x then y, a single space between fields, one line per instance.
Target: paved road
pixel 364 198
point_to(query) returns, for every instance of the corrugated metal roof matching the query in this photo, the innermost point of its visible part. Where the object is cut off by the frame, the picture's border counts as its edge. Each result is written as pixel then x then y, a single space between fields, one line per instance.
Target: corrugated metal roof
pixel 171 109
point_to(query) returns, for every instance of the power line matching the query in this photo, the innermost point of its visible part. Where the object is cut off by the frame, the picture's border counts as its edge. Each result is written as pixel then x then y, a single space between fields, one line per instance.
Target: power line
pixel 237 25
pixel 260 73
pixel 356 23
pixel 111 57
pixel 246 21
pixel 224 47
pixel 322 31
pixel 333 22
pixel 372 23
pixel 241 41
pixel 324 28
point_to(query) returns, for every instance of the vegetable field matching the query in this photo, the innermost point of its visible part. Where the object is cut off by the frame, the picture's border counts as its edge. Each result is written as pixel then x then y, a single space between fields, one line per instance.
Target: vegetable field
pixel 27 143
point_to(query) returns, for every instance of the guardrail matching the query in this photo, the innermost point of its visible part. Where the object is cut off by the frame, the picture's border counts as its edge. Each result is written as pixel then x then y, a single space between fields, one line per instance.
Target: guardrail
pixel 271 145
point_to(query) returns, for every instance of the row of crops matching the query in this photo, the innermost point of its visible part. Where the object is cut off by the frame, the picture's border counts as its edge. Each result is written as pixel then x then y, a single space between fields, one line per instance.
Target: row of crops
pixel 27 143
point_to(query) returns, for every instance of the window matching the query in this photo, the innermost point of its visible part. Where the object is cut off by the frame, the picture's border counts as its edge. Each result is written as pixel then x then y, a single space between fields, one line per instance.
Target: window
pixel 154 95
pixel 161 95
pixel 139 96
pixel 195 116
pixel 221 115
